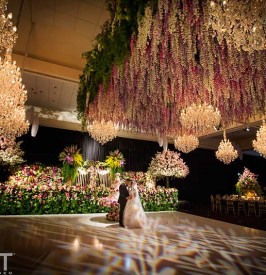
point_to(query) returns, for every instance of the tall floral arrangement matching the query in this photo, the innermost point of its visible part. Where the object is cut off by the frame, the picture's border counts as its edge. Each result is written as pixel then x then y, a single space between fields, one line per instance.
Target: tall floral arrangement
pixel 71 159
pixel 115 161
pixel 168 164
pixel 248 184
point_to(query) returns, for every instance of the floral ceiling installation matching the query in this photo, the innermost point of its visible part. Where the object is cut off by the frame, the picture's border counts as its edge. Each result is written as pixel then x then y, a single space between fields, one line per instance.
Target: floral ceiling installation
pixel 242 23
pixel 259 143
pixel 175 60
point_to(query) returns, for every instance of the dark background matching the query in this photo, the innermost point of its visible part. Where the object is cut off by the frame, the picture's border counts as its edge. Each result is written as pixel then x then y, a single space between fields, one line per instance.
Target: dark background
pixel 207 174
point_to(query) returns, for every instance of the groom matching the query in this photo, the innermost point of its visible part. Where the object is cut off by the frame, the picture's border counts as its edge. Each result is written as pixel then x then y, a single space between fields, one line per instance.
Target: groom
pixel 122 200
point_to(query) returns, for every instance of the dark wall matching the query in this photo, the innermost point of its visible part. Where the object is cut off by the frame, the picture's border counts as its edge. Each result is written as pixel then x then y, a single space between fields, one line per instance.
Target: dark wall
pixel 207 174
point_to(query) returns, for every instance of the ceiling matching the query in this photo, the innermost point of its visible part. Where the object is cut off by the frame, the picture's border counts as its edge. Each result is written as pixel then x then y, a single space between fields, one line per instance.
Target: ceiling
pixel 52 35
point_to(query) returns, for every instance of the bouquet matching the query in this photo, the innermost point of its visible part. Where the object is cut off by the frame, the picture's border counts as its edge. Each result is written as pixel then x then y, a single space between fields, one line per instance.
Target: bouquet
pixel 71 159
pixel 115 161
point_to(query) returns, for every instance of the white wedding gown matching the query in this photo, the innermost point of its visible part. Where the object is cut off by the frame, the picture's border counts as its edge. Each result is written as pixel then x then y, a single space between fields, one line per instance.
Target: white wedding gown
pixel 134 215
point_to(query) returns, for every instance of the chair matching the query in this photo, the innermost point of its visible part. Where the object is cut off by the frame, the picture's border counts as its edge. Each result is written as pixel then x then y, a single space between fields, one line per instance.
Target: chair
pixel 252 208
pixel 212 204
pixel 262 207
pixel 230 206
pixel 225 197
pixel 218 203
pixel 241 207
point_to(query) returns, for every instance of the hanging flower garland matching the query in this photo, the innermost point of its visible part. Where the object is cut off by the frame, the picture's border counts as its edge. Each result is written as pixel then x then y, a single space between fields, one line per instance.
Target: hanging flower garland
pixel 175 61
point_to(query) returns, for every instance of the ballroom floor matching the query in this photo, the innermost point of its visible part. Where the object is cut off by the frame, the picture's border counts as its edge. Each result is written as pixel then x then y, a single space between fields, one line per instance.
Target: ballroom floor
pixel 176 243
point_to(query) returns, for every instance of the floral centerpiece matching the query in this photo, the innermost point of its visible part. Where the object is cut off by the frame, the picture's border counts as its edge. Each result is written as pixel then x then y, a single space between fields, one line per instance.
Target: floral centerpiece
pixel 115 161
pixel 168 164
pixel 72 159
pixel 247 184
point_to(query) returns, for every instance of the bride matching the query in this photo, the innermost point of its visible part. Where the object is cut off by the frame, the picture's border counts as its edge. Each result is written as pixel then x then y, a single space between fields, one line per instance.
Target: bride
pixel 134 215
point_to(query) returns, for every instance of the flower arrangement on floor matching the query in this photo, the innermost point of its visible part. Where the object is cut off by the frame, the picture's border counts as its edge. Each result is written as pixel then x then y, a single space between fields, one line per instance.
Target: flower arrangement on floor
pixel 168 164
pixel 113 214
pixel 72 159
pixel 37 189
pixel 247 184
pixel 115 161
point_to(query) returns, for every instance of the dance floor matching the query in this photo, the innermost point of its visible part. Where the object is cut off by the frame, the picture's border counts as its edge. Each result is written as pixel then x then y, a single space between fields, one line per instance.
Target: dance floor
pixel 175 243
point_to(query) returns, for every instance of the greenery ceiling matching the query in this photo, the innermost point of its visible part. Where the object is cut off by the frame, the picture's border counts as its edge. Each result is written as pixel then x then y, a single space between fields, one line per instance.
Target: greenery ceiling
pixel 154 58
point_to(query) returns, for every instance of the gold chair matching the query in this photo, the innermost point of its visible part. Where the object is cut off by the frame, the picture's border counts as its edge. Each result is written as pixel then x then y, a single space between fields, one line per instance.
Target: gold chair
pixel 230 206
pixel 241 207
pixel 252 208
pixel 262 207
pixel 218 203
pixel 212 204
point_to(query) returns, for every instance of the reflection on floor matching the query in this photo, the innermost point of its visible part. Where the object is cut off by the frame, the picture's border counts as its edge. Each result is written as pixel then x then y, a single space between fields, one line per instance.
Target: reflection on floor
pixel 176 243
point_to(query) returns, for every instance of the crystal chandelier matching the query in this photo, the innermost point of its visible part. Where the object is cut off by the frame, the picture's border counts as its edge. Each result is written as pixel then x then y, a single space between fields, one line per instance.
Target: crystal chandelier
pixel 12 94
pixel 102 131
pixel 259 144
pixel 226 152
pixel 242 23
pixel 199 119
pixel 186 143
pixel 8 35
pixel 12 99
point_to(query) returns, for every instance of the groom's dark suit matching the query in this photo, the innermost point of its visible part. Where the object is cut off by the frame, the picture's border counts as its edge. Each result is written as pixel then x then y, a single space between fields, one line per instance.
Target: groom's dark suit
pixel 122 200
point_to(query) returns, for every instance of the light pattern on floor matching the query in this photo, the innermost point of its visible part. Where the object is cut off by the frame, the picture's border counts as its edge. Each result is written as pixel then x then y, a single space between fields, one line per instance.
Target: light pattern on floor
pixel 175 243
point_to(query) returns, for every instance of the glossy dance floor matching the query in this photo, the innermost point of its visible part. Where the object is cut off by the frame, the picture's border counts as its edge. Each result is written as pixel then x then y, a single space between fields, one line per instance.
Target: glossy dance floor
pixel 176 243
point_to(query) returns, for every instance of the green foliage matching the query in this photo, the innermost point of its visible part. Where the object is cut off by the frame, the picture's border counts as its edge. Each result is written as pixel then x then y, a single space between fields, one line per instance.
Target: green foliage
pixel 21 200
pixel 161 199
pixel 24 200
pixel 112 46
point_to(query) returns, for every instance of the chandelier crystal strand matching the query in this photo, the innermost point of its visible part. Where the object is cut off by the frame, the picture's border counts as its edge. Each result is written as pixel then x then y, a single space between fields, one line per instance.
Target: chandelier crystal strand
pixel 259 143
pixel 102 131
pixel 199 119
pixel 241 23
pixel 186 143
pixel 226 152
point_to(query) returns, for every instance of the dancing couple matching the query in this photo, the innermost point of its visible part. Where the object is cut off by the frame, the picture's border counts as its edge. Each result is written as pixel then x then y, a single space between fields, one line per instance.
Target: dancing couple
pixel 131 214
